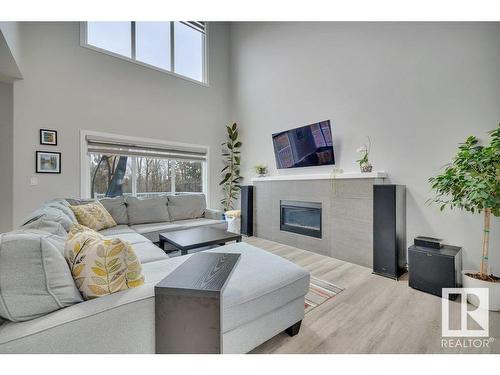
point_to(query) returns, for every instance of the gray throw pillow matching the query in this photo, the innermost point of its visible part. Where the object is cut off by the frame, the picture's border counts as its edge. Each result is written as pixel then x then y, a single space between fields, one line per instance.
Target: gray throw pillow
pixel 116 208
pixel 51 214
pixel 186 206
pixel 34 276
pixel 147 210
pixel 62 205
pixel 45 225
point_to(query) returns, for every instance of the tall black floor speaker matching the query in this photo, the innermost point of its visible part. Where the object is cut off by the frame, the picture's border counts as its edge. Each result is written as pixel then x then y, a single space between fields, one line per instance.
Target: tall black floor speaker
pixel 389 230
pixel 247 210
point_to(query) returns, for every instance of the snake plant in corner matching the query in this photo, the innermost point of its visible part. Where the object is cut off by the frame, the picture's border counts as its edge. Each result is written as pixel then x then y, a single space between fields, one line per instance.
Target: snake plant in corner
pixel 231 172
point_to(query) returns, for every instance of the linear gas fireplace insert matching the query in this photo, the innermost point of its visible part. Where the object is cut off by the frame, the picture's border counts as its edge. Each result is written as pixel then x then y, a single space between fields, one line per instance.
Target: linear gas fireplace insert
pixel 301 217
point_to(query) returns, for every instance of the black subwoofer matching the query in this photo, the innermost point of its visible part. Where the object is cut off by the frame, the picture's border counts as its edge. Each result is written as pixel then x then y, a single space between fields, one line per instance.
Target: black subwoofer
pixel 430 269
pixel 389 230
pixel 247 210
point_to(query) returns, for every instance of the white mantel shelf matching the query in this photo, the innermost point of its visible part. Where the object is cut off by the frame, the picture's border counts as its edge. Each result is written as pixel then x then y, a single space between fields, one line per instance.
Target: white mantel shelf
pixel 322 176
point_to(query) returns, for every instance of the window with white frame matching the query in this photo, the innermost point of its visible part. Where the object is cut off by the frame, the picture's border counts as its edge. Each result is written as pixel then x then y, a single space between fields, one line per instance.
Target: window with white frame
pixel 117 168
pixel 172 46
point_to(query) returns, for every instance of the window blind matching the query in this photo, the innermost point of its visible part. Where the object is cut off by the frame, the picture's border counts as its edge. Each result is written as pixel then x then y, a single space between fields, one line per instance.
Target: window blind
pixel 197 25
pixel 157 151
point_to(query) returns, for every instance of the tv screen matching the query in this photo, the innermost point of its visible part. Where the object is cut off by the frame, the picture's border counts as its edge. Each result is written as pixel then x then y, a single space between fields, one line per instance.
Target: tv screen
pixel 306 146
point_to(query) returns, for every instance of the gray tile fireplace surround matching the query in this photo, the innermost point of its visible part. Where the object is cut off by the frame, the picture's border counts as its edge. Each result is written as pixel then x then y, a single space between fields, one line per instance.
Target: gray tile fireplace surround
pixel 347 215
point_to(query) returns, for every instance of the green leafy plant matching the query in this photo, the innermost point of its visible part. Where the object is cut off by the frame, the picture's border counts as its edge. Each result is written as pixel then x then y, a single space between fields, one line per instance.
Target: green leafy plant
pixel 260 169
pixel 231 172
pixel 471 182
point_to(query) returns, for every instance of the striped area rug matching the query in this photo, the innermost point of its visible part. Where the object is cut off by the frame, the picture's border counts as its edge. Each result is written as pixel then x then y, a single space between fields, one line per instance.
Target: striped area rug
pixel 320 291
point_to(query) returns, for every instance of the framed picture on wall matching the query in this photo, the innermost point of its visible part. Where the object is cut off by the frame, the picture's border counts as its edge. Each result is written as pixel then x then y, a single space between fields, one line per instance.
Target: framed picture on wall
pixel 48 137
pixel 48 162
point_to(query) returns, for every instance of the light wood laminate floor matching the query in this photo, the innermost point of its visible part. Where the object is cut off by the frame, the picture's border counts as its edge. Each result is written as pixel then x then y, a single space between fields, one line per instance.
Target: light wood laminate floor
pixel 373 314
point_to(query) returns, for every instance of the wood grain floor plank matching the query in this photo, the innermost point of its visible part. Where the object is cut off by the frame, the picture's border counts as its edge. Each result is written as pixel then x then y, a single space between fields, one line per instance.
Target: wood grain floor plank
pixel 372 315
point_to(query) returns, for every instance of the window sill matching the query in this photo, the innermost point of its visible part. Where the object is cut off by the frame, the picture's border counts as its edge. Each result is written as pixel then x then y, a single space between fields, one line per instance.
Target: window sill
pixel 145 65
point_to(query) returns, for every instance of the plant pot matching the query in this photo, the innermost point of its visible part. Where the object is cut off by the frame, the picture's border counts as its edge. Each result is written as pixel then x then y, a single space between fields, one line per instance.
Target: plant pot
pixel 366 168
pixel 494 290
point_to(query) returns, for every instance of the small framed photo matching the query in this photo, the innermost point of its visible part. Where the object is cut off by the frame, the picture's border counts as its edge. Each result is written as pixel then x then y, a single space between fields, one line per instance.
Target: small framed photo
pixel 48 137
pixel 48 162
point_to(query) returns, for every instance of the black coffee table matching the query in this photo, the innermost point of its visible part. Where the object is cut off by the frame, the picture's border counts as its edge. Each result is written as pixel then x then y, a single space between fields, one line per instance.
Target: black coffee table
pixel 188 239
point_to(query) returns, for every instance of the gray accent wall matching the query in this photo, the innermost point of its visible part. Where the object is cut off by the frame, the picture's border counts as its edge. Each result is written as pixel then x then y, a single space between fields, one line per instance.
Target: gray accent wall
pixel 6 156
pixel 68 87
pixel 347 216
pixel 417 89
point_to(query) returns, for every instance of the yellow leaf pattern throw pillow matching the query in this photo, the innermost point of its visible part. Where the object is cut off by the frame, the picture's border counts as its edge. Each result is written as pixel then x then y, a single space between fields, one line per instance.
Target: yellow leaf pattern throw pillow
pixel 93 215
pixel 100 265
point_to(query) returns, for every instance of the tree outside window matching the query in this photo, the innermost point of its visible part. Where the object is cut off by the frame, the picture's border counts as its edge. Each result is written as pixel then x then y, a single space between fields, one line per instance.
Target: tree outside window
pixel 114 175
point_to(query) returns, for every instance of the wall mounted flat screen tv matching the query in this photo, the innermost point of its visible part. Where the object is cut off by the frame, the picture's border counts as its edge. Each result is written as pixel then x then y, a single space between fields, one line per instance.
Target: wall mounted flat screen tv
pixel 306 146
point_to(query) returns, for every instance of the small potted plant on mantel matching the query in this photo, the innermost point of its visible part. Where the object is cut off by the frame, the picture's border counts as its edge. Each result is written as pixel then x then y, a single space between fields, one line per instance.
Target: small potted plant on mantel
pixel 471 182
pixel 364 163
pixel 260 169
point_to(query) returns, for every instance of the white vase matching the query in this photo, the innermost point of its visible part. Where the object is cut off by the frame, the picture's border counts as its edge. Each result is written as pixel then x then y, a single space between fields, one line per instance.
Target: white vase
pixel 366 168
pixel 493 288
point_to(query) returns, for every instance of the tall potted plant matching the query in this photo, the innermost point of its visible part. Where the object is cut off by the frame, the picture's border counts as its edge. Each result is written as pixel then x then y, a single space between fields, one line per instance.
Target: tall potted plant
pixel 471 182
pixel 230 174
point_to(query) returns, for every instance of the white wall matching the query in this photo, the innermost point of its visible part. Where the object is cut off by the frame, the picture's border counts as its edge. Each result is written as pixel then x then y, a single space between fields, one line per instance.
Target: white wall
pixel 9 48
pixel 417 89
pixel 67 87
pixel 11 33
pixel 6 130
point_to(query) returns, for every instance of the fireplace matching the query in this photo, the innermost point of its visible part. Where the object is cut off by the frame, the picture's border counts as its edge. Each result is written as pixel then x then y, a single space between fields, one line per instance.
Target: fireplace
pixel 301 217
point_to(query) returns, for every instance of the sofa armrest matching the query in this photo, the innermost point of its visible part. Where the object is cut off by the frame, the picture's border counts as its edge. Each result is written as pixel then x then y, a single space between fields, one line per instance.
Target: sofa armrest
pixel 123 322
pixel 213 214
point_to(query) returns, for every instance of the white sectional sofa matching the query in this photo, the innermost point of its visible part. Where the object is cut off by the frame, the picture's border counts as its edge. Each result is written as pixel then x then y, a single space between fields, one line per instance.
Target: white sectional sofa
pixel 264 296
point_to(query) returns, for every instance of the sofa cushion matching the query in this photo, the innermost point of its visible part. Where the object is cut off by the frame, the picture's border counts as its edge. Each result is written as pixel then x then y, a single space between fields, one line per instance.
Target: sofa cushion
pixel 101 265
pixel 94 216
pixel 193 223
pixel 213 214
pixel 45 225
pixel 148 252
pixel 186 206
pixel 62 205
pixel 131 238
pixel 154 272
pixel 50 213
pixel 116 231
pixel 147 210
pixel 116 208
pixel 34 277
pixel 152 231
